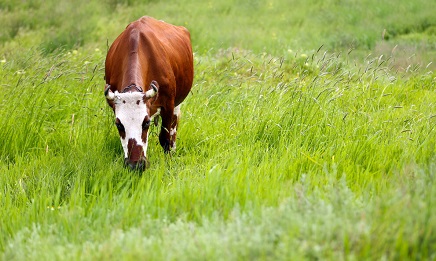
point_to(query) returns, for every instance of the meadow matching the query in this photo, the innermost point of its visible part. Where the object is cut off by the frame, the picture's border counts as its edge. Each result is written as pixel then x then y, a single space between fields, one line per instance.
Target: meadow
pixel 309 134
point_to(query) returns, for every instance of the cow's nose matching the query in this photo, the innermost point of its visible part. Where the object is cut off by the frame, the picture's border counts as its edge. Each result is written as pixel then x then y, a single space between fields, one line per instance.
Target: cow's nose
pixel 140 165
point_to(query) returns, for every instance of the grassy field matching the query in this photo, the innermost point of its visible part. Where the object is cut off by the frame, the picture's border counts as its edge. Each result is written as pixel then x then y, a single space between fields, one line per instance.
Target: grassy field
pixel 309 135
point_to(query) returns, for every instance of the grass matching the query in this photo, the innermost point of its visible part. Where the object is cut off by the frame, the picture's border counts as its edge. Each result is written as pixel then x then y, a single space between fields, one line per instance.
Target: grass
pixel 283 153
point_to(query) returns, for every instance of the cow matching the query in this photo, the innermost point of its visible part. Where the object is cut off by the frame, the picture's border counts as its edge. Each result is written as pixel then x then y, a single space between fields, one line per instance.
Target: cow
pixel 149 71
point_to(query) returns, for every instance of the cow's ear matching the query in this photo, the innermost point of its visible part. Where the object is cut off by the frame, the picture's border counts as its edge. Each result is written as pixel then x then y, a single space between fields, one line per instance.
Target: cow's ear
pixel 152 91
pixel 154 85
pixel 109 96
pixel 108 93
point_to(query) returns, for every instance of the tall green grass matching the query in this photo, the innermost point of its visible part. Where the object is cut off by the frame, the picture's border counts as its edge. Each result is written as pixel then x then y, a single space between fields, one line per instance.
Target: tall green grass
pixel 282 153
pixel 283 158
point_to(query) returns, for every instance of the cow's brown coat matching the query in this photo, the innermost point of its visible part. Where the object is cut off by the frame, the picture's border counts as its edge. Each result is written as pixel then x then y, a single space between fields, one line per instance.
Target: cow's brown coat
pixel 152 50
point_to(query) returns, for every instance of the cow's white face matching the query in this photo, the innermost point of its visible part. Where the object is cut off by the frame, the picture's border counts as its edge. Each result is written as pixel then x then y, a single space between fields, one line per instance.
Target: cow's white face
pixel 132 120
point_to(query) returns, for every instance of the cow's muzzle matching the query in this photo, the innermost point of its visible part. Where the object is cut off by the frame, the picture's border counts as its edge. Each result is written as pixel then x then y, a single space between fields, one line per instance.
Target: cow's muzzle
pixel 139 165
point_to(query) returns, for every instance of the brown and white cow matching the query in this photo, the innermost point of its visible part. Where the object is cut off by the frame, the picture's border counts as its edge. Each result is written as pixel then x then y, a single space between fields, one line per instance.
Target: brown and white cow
pixel 149 71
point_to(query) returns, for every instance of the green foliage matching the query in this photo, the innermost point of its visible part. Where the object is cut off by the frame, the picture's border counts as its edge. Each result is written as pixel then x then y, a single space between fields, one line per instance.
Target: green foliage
pixel 262 26
pixel 282 154
pixel 61 24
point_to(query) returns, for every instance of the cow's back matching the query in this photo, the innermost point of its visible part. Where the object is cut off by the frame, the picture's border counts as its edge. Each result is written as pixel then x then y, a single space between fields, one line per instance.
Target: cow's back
pixel 150 49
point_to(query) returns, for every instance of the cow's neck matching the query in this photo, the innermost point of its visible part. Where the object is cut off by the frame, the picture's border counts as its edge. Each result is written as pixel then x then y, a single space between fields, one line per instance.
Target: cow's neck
pixel 133 74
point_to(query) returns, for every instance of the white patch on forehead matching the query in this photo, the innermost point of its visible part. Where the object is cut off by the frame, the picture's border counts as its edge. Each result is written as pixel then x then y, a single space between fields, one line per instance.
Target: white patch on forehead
pixel 131 110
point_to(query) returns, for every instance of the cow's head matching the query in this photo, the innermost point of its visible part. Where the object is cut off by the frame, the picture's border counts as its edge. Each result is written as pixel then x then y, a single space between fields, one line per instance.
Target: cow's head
pixel 132 119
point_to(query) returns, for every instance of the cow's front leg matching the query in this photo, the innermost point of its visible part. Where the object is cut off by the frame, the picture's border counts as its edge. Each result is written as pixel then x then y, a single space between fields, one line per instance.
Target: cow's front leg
pixel 165 132
pixel 174 124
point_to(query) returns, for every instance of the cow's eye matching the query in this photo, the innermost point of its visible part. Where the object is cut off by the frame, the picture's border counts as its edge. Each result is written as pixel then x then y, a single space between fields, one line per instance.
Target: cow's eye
pixel 119 125
pixel 145 124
